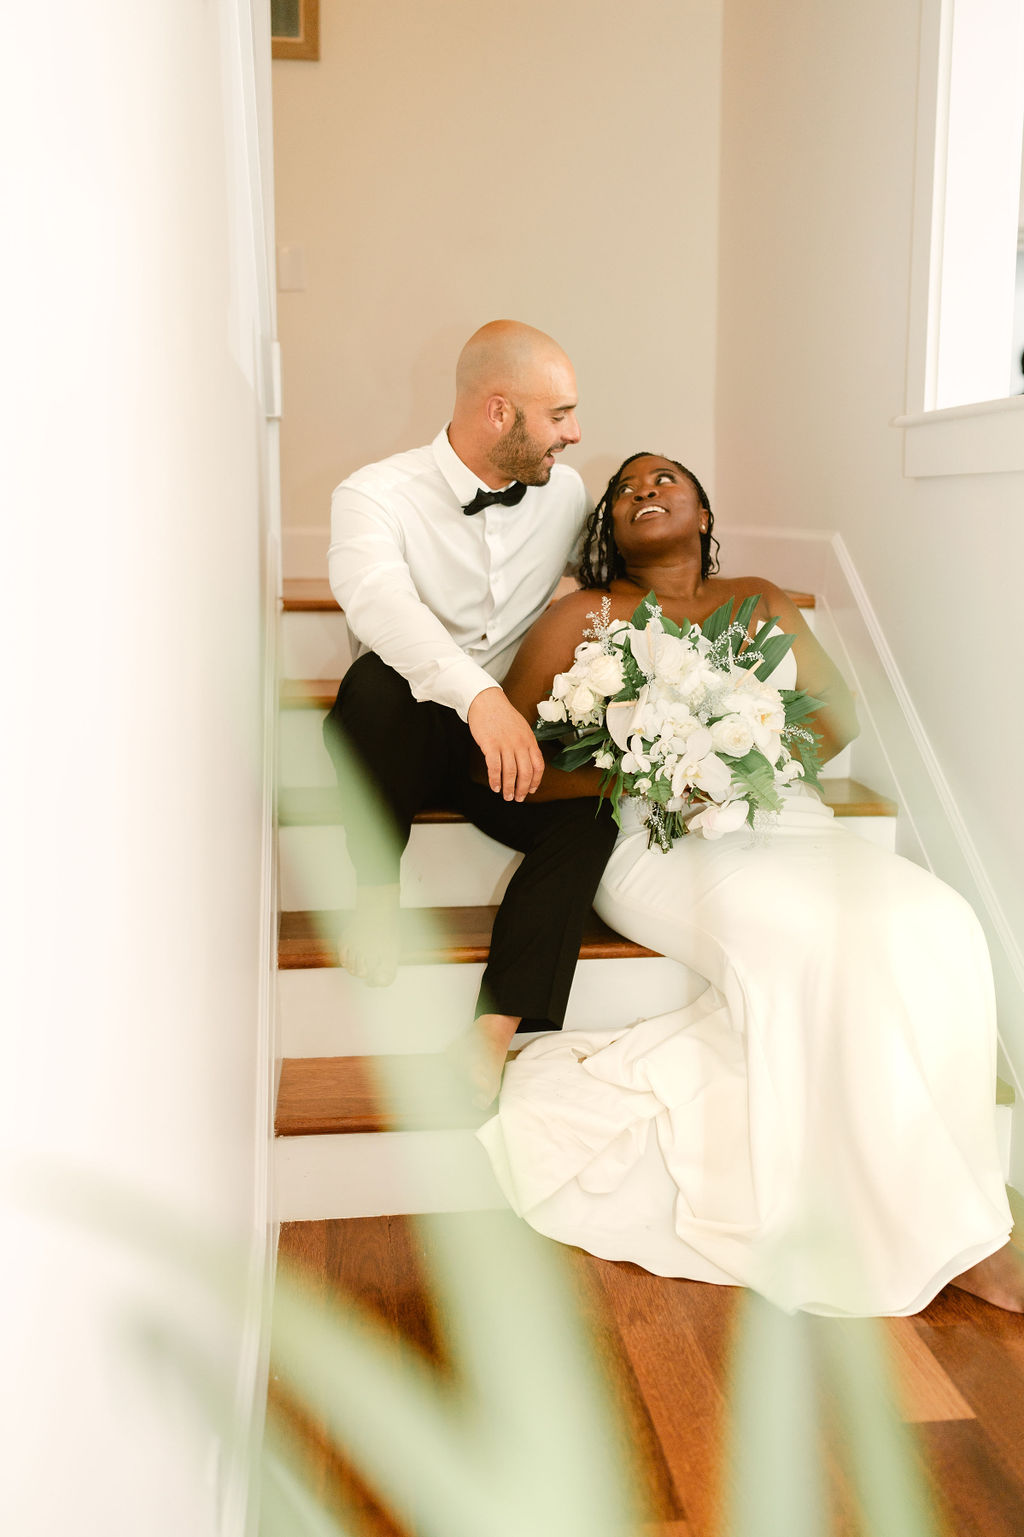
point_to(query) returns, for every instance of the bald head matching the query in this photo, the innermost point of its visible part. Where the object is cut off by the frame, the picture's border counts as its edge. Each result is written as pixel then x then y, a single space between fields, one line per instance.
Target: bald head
pixel 515 404
pixel 505 357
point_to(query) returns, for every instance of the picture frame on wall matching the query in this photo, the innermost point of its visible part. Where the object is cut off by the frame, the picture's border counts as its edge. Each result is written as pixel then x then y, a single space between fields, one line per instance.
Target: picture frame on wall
pixel 295 29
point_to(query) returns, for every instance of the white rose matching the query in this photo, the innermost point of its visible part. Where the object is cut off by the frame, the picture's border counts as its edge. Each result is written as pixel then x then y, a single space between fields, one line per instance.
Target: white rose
pixel 788 771
pixel 713 821
pixel 551 709
pixel 582 701
pixel 587 649
pixel 605 674
pixel 732 735
pixel 563 685
pixel 673 658
pixel 604 759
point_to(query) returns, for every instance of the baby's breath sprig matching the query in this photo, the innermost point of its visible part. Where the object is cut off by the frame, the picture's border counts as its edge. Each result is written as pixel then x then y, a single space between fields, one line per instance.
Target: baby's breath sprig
pixel 599 629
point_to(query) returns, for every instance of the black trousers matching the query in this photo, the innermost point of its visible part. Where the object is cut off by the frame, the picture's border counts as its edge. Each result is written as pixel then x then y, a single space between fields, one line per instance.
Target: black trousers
pixel 418 755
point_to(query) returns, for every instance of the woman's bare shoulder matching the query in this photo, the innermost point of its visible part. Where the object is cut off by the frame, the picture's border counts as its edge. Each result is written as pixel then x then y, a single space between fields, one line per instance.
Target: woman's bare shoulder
pixel 575 608
pixel 773 597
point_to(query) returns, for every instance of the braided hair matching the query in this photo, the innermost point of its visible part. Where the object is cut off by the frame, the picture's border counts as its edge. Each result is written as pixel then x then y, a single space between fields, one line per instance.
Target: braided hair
pixel 601 561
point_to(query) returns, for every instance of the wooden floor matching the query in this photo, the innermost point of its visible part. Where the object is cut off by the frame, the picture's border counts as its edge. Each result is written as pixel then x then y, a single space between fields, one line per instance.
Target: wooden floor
pixel 958 1366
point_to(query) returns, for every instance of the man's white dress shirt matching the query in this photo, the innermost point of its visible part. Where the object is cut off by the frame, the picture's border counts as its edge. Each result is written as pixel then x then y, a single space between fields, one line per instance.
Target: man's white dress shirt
pixel 444 598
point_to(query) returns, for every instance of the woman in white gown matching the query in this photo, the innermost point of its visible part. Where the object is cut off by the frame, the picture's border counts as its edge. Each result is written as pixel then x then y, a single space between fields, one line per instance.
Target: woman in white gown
pixel 819 1125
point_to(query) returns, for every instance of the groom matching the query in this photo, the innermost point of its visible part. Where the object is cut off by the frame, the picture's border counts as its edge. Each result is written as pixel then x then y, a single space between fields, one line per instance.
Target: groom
pixel 442 557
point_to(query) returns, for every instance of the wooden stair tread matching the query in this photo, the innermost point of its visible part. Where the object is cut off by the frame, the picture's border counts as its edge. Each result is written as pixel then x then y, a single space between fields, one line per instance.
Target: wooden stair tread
pixel 429 936
pixel 315 806
pixel 321 1096
pixel 329 1096
pixel 305 594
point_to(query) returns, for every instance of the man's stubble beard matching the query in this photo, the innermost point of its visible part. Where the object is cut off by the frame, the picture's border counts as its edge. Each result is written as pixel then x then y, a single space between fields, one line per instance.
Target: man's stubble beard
pixel 518 457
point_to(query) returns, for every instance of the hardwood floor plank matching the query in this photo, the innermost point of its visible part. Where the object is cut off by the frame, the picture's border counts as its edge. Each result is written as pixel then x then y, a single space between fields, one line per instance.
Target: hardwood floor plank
pixel 968 1482
pixel 675 1333
pixel 989 1374
pixel 925 1391
pixel 665 1348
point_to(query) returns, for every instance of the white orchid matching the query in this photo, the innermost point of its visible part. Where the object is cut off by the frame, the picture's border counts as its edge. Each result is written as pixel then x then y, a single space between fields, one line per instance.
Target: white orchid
pixel 713 821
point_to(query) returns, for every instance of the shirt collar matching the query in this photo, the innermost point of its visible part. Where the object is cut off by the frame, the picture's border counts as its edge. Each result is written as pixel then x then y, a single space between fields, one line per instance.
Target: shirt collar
pixel 464 484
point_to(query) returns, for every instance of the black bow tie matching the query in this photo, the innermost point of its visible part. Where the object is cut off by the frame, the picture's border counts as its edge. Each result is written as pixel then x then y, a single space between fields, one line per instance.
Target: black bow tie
pixel 508 498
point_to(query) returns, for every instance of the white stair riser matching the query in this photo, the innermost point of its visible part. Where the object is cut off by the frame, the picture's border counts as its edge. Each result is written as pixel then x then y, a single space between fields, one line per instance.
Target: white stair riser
pixel 444 865
pixel 315 644
pixel 377 1174
pixel 396 1173
pixel 323 1012
pixel 302 758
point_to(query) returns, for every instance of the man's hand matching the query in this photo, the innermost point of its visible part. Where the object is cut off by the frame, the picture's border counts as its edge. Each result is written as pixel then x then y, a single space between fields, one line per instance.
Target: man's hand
pixel 514 760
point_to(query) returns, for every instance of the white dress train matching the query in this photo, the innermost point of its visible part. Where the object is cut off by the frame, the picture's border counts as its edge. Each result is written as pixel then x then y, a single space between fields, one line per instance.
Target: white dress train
pixel 819 1125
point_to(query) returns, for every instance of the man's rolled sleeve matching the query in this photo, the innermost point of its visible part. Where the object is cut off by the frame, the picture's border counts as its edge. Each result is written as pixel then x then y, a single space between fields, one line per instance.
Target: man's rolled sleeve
pixel 372 583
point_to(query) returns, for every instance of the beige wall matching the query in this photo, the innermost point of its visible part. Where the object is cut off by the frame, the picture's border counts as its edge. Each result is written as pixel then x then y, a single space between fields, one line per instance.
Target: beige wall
pixel 136 944
pixel 447 163
pixel 818 146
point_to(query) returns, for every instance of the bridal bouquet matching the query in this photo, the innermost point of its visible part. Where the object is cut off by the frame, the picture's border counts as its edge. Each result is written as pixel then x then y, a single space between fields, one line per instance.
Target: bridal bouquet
pixel 683 719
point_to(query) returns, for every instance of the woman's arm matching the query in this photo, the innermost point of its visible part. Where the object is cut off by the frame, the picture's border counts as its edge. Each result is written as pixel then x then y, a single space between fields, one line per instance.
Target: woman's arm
pixel 836 724
pixel 548 648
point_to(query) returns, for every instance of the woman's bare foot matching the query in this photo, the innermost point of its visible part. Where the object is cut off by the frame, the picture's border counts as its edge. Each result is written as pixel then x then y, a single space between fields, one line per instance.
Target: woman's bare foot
pixel 368 947
pixel 998 1279
pixel 479 1055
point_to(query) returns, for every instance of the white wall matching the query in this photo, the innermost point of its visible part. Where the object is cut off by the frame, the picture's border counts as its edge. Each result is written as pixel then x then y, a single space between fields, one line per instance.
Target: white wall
pixel 138 465
pixel 819 114
pixel 442 165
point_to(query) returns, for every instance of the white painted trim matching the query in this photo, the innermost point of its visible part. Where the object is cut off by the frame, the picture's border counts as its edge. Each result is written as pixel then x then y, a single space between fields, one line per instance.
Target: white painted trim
pixel 1016 1148
pixel 249 21
pixel 986 438
pixel 969 96
pixel 304 552
pixel 893 753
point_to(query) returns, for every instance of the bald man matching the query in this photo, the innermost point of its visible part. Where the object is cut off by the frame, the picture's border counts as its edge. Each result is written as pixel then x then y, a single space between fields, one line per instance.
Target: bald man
pixel 441 558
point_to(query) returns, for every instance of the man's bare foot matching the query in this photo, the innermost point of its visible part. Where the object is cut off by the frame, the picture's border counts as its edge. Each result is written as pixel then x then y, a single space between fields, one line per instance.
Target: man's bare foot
pixel 479 1055
pixel 998 1279
pixel 368 946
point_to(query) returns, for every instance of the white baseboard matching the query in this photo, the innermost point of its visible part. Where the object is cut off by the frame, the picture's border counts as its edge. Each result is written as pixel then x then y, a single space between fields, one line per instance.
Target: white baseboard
pixel 304 551
pixel 893 753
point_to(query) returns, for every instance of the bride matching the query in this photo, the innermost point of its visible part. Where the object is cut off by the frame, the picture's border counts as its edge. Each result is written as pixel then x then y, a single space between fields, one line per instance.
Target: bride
pixel 819 1124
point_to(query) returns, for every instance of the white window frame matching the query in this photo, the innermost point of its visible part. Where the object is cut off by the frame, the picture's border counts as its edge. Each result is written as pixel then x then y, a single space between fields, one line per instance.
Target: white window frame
pixel 966 213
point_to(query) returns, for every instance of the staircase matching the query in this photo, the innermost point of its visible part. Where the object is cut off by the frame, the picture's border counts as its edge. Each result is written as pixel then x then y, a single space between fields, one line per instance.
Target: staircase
pixel 339 1153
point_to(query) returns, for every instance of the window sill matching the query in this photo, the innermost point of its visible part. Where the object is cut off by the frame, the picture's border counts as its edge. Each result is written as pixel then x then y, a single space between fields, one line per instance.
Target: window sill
pixel 986 438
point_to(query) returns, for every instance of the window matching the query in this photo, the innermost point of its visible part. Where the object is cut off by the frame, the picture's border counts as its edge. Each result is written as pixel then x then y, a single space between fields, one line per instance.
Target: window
pixel 960 415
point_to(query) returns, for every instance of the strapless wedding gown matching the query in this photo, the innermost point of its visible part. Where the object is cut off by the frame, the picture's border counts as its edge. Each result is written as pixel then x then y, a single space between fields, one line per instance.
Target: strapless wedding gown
pixel 819 1125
